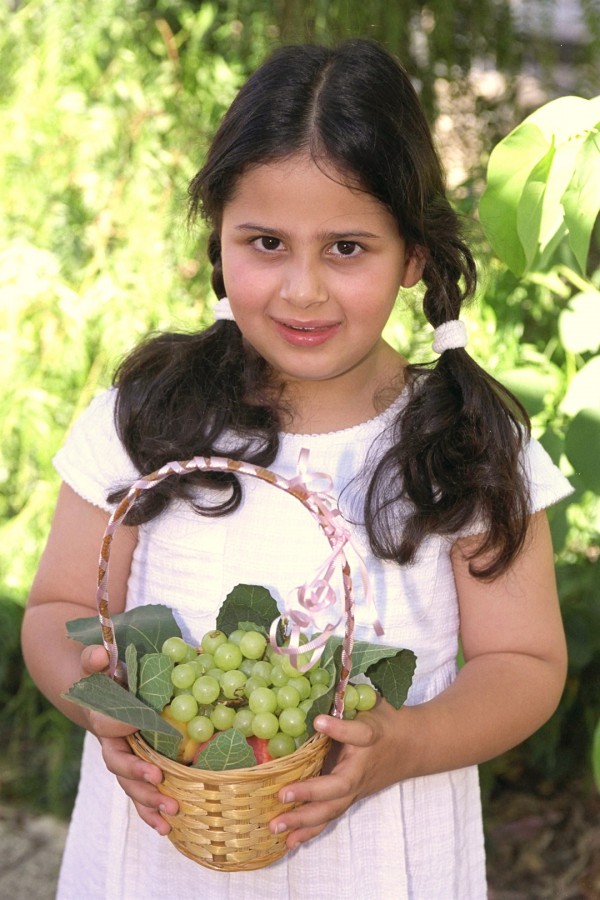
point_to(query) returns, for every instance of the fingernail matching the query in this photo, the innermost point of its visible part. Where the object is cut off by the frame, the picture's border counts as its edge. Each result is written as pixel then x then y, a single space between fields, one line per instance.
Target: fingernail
pixel 281 826
pixel 289 797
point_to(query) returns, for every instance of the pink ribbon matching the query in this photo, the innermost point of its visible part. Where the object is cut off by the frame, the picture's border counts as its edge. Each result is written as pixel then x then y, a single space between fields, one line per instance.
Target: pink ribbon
pixel 319 595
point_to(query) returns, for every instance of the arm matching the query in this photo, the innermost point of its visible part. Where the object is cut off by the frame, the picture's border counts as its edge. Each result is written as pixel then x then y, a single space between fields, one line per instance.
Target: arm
pixel 65 588
pixel 514 672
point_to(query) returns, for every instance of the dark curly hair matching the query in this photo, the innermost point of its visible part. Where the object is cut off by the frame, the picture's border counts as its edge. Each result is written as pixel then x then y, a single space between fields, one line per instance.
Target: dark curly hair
pixel 456 450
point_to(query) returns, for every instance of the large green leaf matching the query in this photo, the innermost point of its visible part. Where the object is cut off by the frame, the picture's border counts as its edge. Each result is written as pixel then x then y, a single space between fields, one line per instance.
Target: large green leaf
pixel 247 603
pixel 531 385
pixel 579 324
pixel 582 446
pixel 583 391
pixel 101 693
pixel 167 744
pixel 131 665
pixel 147 627
pixel 228 750
pixel 581 199
pixel 154 681
pixel 510 164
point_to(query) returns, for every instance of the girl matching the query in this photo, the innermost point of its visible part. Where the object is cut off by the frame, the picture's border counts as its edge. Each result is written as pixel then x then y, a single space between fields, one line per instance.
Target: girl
pixel 326 197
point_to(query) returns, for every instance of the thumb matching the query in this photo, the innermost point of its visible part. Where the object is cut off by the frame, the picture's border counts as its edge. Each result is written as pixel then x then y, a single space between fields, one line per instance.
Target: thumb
pixel 94 659
pixel 358 732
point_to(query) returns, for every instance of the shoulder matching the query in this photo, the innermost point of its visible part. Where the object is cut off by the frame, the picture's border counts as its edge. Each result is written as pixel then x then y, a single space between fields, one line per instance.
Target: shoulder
pixel 93 461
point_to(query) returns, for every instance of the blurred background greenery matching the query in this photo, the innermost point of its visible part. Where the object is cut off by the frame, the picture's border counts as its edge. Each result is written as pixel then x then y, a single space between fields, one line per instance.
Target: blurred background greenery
pixel 105 113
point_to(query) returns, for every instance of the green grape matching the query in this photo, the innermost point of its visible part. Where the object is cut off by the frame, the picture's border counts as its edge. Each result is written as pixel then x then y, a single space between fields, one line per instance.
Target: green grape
pixel 292 721
pixel 288 696
pixel 236 636
pixel 317 690
pixel 184 707
pixel 216 674
pixel 301 739
pixel 253 645
pixel 183 675
pixel 265 725
pixel 305 705
pixel 212 640
pixel 302 685
pixel 262 669
pixel 319 676
pixel 191 653
pixel 262 700
pixel 227 656
pixel 247 666
pixel 203 663
pixel 232 682
pixel 281 745
pixel 222 717
pixel 278 676
pixel 200 729
pixel 253 683
pixel 290 669
pixel 206 689
pixel 175 648
pixel 243 721
pixel 367 696
pixel 350 697
pixel 350 713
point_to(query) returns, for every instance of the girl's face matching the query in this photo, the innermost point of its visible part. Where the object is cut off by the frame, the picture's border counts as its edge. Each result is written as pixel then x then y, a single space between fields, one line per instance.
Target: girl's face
pixel 312 269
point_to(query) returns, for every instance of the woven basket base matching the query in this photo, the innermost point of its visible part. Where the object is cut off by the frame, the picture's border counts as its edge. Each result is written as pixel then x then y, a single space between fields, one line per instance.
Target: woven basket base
pixel 223 819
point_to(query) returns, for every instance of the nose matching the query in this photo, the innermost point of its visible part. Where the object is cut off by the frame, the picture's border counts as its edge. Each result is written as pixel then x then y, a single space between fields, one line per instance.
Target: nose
pixel 303 284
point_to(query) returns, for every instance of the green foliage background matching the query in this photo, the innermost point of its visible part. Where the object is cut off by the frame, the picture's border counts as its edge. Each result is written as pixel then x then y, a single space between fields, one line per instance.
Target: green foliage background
pixel 105 113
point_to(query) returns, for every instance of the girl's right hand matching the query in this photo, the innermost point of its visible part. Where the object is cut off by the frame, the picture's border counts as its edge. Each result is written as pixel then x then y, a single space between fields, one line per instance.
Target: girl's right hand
pixel 138 779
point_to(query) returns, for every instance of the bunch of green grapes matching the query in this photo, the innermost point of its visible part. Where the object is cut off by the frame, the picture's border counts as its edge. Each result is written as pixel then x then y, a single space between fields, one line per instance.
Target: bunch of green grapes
pixel 239 681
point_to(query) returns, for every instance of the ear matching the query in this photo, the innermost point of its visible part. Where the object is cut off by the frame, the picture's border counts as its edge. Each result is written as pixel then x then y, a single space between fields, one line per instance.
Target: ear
pixel 416 257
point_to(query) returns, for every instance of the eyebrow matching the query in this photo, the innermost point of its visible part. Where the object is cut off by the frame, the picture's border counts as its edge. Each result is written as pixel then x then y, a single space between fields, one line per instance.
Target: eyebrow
pixel 327 235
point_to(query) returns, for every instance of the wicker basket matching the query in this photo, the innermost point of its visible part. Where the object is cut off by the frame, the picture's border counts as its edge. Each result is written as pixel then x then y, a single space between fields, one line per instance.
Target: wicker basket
pixel 223 819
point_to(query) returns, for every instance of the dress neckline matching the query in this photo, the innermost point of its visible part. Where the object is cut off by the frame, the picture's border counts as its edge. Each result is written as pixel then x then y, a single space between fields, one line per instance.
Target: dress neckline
pixel 372 424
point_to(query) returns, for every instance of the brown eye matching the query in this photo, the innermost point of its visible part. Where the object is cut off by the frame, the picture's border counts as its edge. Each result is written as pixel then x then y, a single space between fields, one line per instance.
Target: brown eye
pixel 346 248
pixel 269 243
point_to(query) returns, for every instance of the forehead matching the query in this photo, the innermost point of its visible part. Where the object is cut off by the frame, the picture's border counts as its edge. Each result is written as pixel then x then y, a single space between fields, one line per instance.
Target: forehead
pixel 300 189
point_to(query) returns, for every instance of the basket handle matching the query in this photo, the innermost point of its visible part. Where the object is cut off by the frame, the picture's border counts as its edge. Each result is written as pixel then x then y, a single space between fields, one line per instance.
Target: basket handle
pixel 319 503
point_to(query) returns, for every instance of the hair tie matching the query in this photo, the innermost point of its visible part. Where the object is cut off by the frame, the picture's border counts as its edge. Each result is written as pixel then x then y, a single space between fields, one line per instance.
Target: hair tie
pixel 223 311
pixel 449 336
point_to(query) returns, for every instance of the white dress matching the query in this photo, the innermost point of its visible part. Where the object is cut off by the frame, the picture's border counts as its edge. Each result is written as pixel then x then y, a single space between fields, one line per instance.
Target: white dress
pixel 420 839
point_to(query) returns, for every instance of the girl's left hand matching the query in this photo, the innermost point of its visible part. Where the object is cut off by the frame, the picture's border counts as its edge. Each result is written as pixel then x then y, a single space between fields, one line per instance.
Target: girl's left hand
pixel 364 760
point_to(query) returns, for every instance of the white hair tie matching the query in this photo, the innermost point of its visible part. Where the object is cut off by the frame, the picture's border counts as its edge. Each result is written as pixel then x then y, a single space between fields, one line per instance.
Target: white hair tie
pixel 449 336
pixel 223 311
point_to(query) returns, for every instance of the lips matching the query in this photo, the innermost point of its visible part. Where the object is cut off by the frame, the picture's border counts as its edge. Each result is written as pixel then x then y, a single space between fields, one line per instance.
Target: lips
pixel 306 334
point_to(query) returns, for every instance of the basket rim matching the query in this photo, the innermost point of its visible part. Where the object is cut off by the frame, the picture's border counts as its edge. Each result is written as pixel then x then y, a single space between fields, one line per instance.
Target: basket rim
pixel 280 765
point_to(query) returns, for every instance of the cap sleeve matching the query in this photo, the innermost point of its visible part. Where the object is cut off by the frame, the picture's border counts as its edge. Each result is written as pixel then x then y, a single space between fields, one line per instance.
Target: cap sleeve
pixel 547 484
pixel 93 461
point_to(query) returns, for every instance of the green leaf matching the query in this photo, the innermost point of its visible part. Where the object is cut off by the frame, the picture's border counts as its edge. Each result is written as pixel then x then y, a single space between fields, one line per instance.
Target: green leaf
pixel 579 324
pixel 167 744
pixel 509 167
pixel 154 686
pixel 331 661
pixel 534 207
pixel 393 676
pixel 247 603
pixel 582 446
pixel 228 750
pixel 583 392
pixel 101 693
pixel 131 663
pixel 581 199
pixel 145 626
pixel 391 669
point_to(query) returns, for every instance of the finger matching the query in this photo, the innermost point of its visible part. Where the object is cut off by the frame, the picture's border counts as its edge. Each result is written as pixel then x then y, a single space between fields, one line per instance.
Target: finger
pixel 153 818
pixel 359 732
pixel 122 762
pixel 105 727
pixel 301 835
pixel 310 816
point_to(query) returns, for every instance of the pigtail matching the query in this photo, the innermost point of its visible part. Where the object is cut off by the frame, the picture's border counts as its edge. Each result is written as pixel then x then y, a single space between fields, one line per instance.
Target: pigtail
pixel 455 459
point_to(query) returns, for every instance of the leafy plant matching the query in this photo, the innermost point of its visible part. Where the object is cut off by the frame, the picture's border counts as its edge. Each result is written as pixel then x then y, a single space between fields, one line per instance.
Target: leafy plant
pixel 539 212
